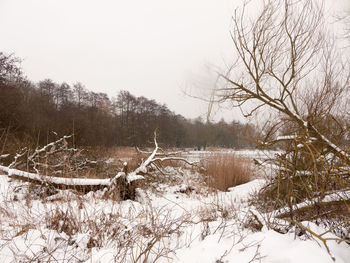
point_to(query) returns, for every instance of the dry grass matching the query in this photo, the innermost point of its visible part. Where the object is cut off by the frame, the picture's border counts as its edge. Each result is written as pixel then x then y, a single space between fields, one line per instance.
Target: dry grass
pixel 73 226
pixel 225 170
pixel 102 162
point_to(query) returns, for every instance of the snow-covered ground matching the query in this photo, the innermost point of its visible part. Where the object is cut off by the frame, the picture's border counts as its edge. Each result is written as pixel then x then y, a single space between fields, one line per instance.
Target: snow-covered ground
pixel 249 153
pixel 169 223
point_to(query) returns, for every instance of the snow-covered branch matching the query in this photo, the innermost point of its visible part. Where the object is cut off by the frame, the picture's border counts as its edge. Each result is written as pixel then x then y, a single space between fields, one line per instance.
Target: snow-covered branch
pixel 124 180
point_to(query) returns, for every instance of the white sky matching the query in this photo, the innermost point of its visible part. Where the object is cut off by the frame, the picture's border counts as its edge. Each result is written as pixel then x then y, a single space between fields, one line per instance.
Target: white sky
pixel 153 48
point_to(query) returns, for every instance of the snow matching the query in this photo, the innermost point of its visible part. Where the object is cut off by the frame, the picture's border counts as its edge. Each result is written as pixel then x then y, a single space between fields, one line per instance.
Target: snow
pixel 71 181
pixel 329 197
pixel 133 177
pixel 102 255
pixel 109 160
pixel 286 137
pixel 247 153
pixel 193 225
pixel 55 180
pixel 326 140
pixel 4 169
pixel 265 246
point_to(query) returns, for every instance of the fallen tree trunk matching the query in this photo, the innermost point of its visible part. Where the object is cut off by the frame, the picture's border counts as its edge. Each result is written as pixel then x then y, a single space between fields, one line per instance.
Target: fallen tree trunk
pixel 79 184
pixel 125 183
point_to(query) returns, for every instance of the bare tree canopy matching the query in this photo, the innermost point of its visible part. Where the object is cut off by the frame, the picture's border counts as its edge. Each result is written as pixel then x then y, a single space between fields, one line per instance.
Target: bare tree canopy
pixel 287 61
pixel 9 67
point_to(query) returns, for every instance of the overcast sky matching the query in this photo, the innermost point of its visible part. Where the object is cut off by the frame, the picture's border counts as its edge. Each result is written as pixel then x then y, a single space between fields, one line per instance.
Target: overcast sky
pixel 153 48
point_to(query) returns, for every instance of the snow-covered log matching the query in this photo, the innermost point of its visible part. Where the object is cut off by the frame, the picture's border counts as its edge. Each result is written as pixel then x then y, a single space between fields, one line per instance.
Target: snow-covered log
pixel 82 184
pixel 128 181
pixel 329 198
pixel 125 182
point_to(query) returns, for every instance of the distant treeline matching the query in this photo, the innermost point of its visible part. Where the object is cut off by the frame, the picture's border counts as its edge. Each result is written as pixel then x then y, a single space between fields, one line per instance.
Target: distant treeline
pixel 36 112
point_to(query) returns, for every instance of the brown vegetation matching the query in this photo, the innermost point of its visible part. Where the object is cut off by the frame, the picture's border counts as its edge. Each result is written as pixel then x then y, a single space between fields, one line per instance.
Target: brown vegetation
pixel 225 170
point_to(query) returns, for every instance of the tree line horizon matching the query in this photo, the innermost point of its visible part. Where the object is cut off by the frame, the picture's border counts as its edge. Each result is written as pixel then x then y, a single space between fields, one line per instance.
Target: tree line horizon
pixel 39 112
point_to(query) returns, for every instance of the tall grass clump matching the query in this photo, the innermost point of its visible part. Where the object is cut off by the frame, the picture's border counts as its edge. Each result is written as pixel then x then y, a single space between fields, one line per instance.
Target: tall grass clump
pixel 225 170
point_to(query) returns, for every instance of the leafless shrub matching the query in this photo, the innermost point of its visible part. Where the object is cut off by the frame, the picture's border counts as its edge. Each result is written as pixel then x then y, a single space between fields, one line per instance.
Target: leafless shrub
pixel 141 234
pixel 63 221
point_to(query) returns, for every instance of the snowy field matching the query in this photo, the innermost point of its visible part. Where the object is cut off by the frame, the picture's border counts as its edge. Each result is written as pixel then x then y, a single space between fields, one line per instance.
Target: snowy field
pixel 170 222
pixel 253 154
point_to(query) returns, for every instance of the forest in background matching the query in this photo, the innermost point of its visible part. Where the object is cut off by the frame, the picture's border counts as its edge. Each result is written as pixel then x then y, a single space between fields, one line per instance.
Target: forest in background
pixel 36 113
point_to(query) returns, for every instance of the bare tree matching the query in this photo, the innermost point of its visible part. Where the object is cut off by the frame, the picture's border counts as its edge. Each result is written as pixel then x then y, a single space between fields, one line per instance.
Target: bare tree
pixel 287 63
pixel 80 93
pixel 9 67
